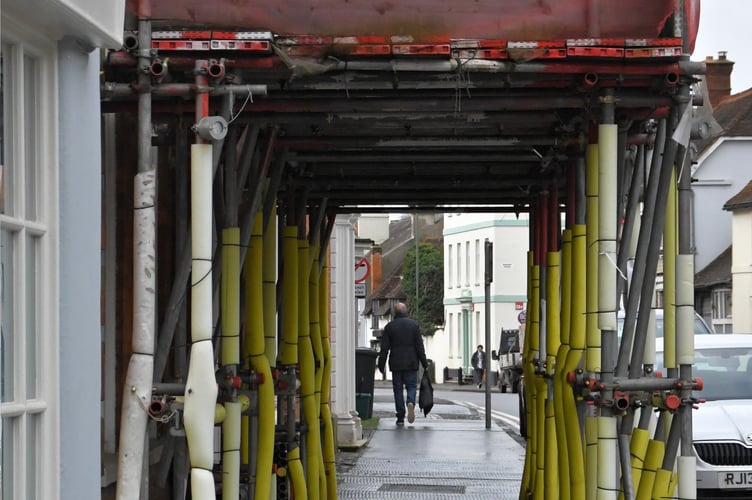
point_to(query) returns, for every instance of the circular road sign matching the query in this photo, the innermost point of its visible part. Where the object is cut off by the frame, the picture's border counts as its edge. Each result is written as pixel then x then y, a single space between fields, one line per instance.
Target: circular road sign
pixel 362 270
pixel 522 316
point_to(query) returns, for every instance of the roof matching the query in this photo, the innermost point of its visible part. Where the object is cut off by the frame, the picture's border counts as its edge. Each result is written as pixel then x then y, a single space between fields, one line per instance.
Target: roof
pixel 742 199
pixel 718 272
pixel 383 297
pixel 734 114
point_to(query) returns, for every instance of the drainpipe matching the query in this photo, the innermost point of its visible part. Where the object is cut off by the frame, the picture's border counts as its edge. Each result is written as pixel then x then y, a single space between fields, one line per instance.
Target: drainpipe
pixel 138 380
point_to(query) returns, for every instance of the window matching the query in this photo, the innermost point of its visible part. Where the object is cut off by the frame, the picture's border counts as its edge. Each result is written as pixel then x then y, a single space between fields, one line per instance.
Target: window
pixel 480 335
pixel 477 262
pixel 722 320
pixel 459 264
pixel 450 266
pixel 467 263
pixel 26 140
pixel 450 331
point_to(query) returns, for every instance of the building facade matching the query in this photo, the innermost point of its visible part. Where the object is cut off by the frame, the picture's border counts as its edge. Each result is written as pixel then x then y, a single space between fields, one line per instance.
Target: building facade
pixel 464 284
pixel 50 257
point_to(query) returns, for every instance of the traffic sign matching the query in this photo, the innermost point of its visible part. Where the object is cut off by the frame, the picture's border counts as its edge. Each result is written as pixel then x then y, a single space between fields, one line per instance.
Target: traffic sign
pixel 362 270
pixel 521 317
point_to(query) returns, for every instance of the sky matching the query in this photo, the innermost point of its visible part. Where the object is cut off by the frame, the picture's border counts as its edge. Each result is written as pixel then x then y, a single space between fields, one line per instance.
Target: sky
pixel 725 26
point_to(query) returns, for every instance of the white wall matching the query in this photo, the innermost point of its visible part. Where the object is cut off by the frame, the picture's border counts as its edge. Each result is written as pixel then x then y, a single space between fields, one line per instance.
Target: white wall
pixel 741 270
pixel 95 23
pixel 722 171
pixel 374 227
pixel 464 275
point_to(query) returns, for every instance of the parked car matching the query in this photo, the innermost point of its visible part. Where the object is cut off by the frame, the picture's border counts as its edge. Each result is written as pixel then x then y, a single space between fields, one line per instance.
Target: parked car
pixel 701 329
pixel 701 325
pixel 722 426
pixel 509 358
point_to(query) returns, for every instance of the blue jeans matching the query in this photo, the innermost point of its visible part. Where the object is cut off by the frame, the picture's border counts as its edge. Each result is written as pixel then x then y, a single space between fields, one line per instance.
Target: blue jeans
pixel 401 380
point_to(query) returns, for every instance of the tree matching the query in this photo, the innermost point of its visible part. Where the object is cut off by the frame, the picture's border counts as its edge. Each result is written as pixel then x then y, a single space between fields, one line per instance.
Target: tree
pixel 426 300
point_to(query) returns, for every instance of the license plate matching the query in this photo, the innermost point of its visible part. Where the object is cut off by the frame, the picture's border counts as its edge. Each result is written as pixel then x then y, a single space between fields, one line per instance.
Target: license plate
pixel 731 480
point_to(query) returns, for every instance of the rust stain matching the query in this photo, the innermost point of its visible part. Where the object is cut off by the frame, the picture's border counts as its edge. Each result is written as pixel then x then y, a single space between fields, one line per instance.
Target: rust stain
pixel 384 7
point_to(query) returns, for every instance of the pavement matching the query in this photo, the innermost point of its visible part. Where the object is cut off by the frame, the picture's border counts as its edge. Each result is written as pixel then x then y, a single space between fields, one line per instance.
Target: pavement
pixel 448 454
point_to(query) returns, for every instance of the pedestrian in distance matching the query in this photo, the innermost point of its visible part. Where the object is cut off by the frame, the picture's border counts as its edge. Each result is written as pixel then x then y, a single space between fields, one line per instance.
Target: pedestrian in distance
pixel 403 344
pixel 478 360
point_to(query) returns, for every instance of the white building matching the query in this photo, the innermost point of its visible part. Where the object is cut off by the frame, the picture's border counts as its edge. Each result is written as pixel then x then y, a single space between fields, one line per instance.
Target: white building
pixel 50 237
pixel 464 284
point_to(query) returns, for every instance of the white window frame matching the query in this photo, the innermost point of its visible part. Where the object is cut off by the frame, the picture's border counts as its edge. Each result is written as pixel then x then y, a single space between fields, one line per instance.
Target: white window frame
pixel 722 318
pixel 467 263
pixel 450 267
pixel 43 407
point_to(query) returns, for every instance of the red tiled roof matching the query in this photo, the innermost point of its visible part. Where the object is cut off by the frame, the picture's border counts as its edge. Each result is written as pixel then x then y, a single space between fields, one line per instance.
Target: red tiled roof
pixel 734 114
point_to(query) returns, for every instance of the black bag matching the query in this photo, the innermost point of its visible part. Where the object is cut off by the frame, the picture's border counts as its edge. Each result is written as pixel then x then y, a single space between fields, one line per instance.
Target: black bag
pixel 425 398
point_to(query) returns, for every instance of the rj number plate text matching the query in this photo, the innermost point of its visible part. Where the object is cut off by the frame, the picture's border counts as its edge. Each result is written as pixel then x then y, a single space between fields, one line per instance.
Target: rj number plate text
pixel 735 479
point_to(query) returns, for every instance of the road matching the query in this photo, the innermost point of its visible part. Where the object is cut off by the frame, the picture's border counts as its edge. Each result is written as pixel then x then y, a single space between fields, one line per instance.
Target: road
pixel 504 407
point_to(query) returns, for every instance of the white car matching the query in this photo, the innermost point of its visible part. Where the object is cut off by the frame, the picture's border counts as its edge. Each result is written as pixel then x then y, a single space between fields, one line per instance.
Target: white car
pixel 722 426
pixel 700 325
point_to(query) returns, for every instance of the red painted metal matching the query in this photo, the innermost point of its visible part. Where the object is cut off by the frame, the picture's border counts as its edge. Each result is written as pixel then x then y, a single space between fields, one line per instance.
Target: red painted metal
pixel 654 52
pixel 245 45
pixel 425 20
pixel 612 52
pixel 181 35
pixel 421 50
pixel 191 45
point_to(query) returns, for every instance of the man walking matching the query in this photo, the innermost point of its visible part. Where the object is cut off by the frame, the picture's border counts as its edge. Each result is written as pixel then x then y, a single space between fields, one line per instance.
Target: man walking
pixel 403 344
pixel 478 360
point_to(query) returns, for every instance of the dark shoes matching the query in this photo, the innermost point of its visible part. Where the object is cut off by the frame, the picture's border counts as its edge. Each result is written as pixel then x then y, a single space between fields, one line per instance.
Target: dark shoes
pixel 480 385
pixel 410 413
pixel 400 421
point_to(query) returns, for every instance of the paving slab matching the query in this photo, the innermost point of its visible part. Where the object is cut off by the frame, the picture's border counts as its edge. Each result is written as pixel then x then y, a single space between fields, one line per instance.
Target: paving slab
pixel 447 455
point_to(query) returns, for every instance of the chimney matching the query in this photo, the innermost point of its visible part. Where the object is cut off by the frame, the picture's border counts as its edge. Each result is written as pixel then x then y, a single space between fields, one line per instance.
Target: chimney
pixel 718 78
pixel 375 267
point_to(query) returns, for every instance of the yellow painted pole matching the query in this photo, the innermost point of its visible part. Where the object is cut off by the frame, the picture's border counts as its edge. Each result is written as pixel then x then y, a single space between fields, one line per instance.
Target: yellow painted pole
pixel 230 358
pixel 289 350
pixel 553 342
pixel 559 382
pixel 308 375
pixel 653 459
pixel 318 353
pixel 670 251
pixel 593 334
pixel 330 469
pixel 574 355
pixel 254 349
pixel 538 386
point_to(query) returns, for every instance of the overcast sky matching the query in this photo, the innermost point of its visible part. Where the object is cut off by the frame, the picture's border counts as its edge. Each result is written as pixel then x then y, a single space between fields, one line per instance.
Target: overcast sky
pixel 725 25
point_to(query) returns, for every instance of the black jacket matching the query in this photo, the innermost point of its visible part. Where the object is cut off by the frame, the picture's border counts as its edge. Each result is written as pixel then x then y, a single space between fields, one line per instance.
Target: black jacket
pixel 475 359
pixel 404 345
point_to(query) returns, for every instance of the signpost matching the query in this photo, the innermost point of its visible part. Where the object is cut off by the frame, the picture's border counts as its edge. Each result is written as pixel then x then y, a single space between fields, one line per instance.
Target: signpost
pixel 362 271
